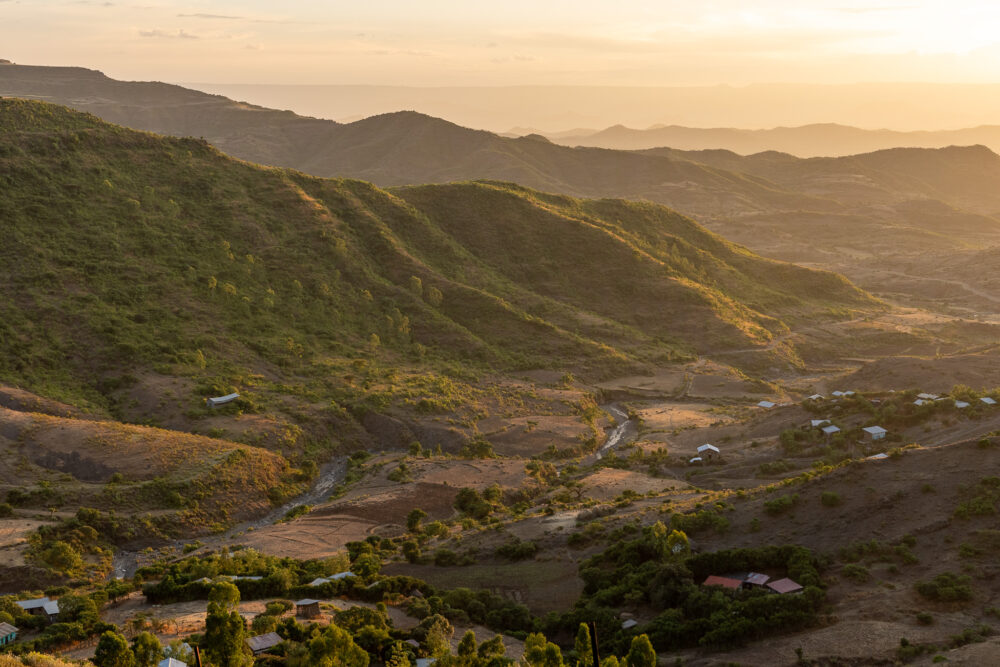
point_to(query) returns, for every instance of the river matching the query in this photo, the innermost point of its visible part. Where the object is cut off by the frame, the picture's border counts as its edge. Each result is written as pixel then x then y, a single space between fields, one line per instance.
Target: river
pixel 625 430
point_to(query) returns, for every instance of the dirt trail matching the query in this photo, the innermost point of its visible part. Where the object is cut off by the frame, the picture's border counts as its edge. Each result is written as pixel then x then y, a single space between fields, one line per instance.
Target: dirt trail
pixel 966 286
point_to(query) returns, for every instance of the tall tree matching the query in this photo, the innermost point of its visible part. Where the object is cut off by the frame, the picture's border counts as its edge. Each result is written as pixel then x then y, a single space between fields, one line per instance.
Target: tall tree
pixel 641 653
pixel 225 632
pixel 467 645
pixel 583 648
pixel 147 649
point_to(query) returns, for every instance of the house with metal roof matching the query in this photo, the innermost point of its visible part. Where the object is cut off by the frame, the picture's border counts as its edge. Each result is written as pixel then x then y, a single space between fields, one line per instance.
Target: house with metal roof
pixel 755 579
pixel 874 432
pixel 171 662
pixel 8 634
pixel 221 400
pixel 766 404
pixel 629 624
pixel 708 451
pixel 987 400
pixel 830 430
pixel 41 607
pixel 262 643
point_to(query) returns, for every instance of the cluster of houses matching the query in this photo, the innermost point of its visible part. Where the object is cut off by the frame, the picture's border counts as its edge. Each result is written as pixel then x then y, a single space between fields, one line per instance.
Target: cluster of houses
pixel 753 580
pixel 924 399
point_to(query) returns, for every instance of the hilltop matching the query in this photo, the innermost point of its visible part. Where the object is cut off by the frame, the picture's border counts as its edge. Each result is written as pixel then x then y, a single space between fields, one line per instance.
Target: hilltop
pixel 866 216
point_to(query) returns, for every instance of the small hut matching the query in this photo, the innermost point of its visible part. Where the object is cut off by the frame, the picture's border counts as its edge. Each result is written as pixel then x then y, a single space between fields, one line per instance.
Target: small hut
pixel 307 608
pixel 874 432
pixel 220 400
pixel 708 452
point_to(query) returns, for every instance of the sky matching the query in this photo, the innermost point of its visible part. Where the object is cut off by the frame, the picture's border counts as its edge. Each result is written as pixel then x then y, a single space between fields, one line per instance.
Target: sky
pixel 536 42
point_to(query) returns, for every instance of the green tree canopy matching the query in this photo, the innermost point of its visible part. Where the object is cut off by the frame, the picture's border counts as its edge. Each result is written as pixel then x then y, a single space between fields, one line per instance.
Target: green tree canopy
pixel 113 651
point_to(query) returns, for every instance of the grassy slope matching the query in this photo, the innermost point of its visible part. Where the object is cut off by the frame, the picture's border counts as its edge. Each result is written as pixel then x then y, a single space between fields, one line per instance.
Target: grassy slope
pixel 129 253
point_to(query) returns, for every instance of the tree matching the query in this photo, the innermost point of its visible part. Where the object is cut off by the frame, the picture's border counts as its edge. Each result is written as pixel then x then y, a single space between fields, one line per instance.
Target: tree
pixel 113 651
pixel 678 543
pixel 492 648
pixel 224 642
pixel 411 551
pixel 583 647
pixel 366 566
pixel 641 653
pixel 416 286
pixel 147 649
pixel 61 558
pixel 467 645
pixel 414 518
pixel 398 656
pixel 334 647
pixel 436 632
pixel 539 652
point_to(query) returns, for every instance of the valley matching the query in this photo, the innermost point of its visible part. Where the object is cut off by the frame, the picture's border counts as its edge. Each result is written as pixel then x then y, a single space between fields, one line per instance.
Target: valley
pixel 466 403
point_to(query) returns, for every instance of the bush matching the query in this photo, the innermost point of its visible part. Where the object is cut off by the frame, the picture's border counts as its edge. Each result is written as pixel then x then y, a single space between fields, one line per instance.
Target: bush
pixel 924 618
pixel 857 573
pixel 445 557
pixel 517 549
pixel 830 499
pixel 781 504
pixel 6 510
pixel 946 587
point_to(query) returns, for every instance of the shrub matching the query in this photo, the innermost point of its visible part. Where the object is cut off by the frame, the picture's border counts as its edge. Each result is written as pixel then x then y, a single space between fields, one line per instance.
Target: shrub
pixel 924 618
pixel 517 549
pixel 445 557
pixel 857 573
pixel 781 504
pixel 946 587
pixel 830 499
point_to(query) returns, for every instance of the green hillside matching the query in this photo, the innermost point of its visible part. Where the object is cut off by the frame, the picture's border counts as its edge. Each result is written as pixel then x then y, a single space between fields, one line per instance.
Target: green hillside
pixel 130 256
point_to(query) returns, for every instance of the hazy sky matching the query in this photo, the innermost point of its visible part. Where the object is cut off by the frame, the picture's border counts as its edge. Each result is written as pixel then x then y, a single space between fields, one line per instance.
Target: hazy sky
pixel 472 42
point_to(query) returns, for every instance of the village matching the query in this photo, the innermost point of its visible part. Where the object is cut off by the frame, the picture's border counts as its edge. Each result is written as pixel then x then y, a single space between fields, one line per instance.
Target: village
pixel 849 422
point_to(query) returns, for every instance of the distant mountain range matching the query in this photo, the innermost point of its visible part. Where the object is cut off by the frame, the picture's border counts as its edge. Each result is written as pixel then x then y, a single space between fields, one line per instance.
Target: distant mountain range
pixel 897 105
pixel 827 139
pixel 836 212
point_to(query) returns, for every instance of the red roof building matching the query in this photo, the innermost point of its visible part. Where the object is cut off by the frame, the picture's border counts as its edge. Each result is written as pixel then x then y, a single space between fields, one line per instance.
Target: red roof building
pixel 784 586
pixel 725 582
